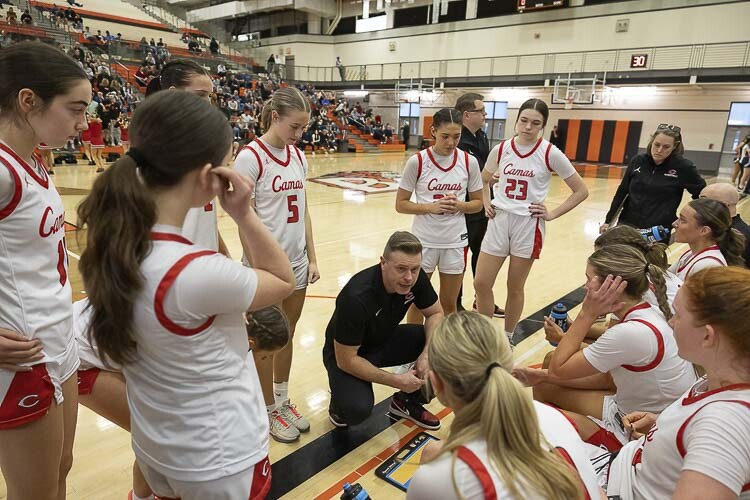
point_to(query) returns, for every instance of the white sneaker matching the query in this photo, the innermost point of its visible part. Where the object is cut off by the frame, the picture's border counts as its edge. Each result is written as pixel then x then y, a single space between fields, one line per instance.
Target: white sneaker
pixel 281 430
pixel 289 412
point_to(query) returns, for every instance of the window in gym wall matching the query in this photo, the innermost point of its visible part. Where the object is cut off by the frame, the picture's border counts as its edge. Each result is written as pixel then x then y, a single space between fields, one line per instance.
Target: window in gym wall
pixel 409 112
pixel 497 112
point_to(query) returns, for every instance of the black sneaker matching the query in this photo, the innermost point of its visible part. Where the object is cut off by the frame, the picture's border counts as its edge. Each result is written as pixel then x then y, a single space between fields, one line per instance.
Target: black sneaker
pixel 414 411
pixel 499 313
pixel 336 420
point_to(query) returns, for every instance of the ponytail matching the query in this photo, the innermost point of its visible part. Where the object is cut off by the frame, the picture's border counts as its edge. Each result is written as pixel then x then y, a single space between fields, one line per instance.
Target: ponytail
pixel 657 278
pixel 474 361
pixel 118 215
pixel 732 246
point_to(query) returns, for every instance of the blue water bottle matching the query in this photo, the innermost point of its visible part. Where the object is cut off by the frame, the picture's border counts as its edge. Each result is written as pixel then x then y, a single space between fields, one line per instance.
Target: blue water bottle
pixel 559 315
pixel 655 234
pixel 354 492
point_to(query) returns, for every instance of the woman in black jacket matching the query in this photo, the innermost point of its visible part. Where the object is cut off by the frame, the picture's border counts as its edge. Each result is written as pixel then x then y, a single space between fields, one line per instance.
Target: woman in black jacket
pixel 652 187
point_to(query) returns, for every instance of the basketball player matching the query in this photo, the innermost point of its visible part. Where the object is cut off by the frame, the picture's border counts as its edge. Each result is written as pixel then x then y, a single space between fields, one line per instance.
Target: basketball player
pixel 97 141
pixel 43 97
pixel 441 177
pixel 171 313
pixel 101 386
pixel 654 253
pixel 501 443
pixel 633 366
pixel 698 447
pixel 706 226
pixel 278 169
pixel 523 166
pixel 201 224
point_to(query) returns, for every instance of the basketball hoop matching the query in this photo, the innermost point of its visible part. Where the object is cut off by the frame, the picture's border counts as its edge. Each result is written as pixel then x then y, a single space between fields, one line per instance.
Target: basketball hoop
pixel 569 102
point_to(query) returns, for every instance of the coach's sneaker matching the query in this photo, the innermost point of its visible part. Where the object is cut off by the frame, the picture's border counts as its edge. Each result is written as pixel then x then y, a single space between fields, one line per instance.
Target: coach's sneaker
pixel 412 410
pixel 497 313
pixel 336 420
pixel 289 412
pixel 281 430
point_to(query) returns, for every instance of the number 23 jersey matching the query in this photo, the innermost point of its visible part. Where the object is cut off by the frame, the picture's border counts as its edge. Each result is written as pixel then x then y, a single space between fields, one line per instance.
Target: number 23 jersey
pixel 279 176
pixel 523 173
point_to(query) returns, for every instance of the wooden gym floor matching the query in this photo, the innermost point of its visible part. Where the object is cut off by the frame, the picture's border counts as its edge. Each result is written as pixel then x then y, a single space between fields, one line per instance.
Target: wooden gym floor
pixel 350 230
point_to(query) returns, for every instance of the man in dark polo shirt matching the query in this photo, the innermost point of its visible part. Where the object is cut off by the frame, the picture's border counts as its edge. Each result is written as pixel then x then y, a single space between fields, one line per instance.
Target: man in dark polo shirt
pixel 474 141
pixel 727 194
pixel 364 335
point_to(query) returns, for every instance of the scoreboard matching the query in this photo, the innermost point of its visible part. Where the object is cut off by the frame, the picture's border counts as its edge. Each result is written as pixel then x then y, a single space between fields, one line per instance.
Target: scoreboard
pixel 527 5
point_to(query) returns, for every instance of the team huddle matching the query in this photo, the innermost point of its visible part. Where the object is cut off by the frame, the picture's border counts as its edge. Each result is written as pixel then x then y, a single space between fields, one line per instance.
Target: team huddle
pixel 191 350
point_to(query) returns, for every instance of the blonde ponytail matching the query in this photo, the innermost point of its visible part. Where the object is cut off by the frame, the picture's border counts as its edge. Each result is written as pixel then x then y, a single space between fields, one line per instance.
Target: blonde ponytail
pixel 474 361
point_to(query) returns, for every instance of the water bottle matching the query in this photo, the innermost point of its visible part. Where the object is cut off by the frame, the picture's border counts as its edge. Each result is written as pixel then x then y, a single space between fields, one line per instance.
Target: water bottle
pixel 655 234
pixel 354 492
pixel 559 315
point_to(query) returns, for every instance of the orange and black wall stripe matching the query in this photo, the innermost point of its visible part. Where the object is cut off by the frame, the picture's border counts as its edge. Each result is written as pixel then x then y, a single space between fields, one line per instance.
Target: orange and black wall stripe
pixel 602 141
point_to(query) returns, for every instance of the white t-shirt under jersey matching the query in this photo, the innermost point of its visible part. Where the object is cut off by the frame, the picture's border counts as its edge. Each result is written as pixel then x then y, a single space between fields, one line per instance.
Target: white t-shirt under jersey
pixel 689 264
pixel 524 173
pixel 197 412
pixel 279 176
pixel 430 177
pixel 641 355
pixel 434 480
pixel 703 431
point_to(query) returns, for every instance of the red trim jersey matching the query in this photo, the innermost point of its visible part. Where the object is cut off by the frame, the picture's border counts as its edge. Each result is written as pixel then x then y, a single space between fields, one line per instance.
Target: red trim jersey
pixel 641 355
pixel 279 176
pixel 688 263
pixel 523 173
pixel 201 226
pixel 705 431
pixel 196 409
pixel 430 177
pixel 35 294
pixel 476 478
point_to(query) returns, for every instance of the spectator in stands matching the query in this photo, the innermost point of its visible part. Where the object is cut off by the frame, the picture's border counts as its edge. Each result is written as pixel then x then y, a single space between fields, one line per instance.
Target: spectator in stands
pixel 214 46
pixel 70 14
pixel 342 69
pixel 193 46
pixel 405 132
pixel 388 132
pixel 152 43
pixel 270 63
pixel 141 76
pixel 161 43
pixel 11 17
pixel 73 3
pixel 26 18
pixel 149 60
pixel 221 70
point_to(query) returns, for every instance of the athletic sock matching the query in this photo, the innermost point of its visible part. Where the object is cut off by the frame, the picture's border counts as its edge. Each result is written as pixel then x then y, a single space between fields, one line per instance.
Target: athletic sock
pixel 270 408
pixel 281 392
pixel 136 497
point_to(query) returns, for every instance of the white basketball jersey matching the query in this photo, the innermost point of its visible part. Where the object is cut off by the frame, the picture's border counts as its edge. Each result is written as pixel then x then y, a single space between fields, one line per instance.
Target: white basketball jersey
pixel 651 466
pixel 476 478
pixel 192 381
pixel 689 263
pixel 655 381
pixel 35 293
pixel 522 179
pixel 436 177
pixel 279 177
pixel 201 226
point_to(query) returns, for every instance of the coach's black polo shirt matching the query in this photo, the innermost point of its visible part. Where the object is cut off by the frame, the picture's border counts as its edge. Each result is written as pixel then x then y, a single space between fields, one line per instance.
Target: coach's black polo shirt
pixel 366 315
pixel 477 146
